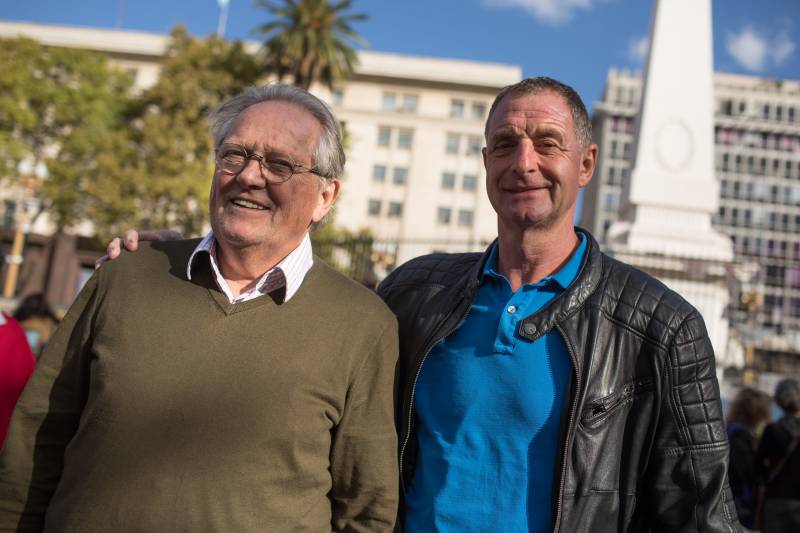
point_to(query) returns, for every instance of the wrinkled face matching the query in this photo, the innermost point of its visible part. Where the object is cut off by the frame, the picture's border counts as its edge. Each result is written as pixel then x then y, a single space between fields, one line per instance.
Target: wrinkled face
pixel 247 211
pixel 534 165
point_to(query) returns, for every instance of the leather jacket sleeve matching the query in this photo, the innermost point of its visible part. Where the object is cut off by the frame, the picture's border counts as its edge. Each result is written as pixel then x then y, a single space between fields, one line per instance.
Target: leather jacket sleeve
pixel 686 480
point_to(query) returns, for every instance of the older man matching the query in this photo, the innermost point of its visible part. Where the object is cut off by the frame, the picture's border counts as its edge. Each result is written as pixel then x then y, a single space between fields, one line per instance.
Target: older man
pixel 219 384
pixel 545 386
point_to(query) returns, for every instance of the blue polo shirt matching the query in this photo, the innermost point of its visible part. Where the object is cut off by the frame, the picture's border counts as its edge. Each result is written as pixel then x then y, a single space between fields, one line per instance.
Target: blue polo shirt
pixel 489 406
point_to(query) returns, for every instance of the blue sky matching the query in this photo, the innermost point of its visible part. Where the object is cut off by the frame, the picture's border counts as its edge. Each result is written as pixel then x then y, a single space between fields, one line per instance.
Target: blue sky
pixel 576 41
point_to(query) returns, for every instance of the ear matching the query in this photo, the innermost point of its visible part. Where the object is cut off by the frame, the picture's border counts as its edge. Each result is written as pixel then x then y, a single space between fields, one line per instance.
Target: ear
pixel 484 154
pixel 588 163
pixel 328 194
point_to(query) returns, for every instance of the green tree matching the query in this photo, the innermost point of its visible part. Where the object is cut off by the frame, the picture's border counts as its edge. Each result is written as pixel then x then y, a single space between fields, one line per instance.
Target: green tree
pixel 310 40
pixel 63 107
pixel 174 159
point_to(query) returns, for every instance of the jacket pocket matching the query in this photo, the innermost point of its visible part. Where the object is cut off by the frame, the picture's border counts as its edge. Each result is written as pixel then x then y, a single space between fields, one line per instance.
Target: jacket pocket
pixel 602 408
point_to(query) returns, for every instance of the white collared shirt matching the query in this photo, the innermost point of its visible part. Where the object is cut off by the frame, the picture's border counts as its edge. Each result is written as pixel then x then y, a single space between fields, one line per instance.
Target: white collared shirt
pixel 289 272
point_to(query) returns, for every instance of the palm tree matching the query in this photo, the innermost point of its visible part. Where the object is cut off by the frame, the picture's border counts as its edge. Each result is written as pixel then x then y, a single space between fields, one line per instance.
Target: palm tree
pixel 311 40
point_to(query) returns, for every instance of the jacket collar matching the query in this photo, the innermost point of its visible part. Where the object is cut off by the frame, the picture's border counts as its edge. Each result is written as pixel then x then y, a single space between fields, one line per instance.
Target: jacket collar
pixel 563 305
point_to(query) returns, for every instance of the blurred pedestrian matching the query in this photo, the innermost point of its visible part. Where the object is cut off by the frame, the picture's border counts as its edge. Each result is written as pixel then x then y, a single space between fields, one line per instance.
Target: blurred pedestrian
pixel 779 460
pixel 36 317
pixel 749 412
pixel 16 365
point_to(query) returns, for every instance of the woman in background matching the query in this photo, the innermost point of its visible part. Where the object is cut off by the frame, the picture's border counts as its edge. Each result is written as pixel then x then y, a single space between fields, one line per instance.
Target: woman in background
pixel 779 460
pixel 749 413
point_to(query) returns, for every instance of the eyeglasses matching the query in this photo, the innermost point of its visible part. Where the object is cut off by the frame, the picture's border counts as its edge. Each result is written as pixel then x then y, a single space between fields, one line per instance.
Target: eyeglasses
pixel 232 158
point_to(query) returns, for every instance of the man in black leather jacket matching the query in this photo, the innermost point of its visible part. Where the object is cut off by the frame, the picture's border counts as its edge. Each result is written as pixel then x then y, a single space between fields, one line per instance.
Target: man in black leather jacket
pixel 640 438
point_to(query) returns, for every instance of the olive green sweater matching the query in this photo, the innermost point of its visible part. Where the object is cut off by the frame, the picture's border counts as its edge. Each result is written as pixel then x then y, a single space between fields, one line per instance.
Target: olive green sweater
pixel 159 406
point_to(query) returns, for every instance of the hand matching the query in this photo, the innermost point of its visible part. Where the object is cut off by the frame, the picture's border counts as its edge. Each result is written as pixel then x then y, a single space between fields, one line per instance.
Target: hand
pixel 131 242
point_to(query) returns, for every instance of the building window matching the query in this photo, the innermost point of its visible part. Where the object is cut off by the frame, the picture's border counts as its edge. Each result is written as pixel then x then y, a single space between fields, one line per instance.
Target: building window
pixel 395 209
pixel 410 103
pixel 474 145
pixel 379 173
pixel 478 110
pixel 448 180
pixel 465 217
pixel 389 102
pixel 384 135
pixel 443 215
pixel 470 182
pixel 400 175
pixel 456 108
pixel 405 138
pixel 452 143
pixel 374 207
pixel 337 95
pixel 626 150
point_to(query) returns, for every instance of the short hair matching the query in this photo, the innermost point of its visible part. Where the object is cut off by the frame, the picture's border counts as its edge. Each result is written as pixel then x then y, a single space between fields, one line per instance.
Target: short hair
pixel 750 407
pixel 787 395
pixel 580 118
pixel 329 156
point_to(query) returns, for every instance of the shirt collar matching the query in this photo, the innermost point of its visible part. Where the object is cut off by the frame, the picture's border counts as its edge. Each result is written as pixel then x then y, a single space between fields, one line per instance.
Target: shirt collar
pixel 564 276
pixel 286 276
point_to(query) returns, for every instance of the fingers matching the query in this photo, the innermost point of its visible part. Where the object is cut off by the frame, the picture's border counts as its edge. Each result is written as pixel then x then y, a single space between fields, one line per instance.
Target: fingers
pixel 112 252
pixel 131 239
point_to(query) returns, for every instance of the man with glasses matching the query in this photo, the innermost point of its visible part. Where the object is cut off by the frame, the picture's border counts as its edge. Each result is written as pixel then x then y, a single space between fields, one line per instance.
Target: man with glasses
pixel 230 383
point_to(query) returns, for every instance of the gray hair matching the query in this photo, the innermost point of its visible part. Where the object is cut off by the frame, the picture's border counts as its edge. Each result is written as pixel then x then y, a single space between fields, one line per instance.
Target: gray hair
pixel 329 156
pixel 787 395
pixel 580 118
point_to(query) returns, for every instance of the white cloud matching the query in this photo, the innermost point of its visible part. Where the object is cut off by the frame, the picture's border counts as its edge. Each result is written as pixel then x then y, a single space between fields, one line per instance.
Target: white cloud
pixel 748 49
pixel 755 51
pixel 553 12
pixel 783 48
pixel 637 49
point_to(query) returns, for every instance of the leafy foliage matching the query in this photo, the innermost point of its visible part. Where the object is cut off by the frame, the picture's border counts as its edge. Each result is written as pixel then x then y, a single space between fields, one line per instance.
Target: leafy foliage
pixel 311 40
pixel 63 107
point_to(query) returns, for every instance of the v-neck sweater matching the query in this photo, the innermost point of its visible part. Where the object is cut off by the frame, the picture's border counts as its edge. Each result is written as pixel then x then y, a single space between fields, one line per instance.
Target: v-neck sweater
pixel 161 406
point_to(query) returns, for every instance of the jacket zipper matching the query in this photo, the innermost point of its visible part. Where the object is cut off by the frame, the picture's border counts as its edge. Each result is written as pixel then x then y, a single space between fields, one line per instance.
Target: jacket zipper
pixel 559 503
pixel 414 390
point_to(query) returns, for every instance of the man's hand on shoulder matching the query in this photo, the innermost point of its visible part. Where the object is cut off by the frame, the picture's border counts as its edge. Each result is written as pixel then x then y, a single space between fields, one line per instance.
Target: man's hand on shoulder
pixel 130 241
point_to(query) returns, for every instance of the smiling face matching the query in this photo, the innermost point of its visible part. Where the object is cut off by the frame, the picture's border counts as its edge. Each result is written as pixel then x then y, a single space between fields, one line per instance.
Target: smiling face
pixel 534 163
pixel 248 212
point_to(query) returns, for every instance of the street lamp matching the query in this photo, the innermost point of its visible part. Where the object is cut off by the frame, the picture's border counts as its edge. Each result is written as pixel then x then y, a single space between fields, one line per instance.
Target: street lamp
pixel 25 205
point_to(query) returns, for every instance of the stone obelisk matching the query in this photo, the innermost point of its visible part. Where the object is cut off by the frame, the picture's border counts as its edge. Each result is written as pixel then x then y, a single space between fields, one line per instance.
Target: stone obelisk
pixel 673 192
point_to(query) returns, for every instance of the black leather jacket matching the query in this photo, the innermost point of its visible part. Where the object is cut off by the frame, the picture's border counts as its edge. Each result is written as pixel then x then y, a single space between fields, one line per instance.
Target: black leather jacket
pixel 644 444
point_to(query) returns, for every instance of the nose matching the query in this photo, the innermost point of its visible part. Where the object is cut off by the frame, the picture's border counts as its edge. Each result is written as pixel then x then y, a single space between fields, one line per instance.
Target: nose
pixel 250 176
pixel 526 159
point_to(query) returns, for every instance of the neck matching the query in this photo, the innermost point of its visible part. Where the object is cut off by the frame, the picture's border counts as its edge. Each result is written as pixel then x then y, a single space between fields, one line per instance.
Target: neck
pixel 243 267
pixel 527 255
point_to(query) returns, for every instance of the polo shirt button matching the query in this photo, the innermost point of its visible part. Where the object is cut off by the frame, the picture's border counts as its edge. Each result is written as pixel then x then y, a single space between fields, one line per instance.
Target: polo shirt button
pixel 512 309
pixel 529 328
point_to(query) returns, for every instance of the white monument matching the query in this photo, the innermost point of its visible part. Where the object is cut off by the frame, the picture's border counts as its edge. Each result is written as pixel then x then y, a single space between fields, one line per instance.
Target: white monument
pixel 672 193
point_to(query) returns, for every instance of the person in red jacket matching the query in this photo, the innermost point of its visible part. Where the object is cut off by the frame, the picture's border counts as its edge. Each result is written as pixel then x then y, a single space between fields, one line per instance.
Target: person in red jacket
pixel 16 365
